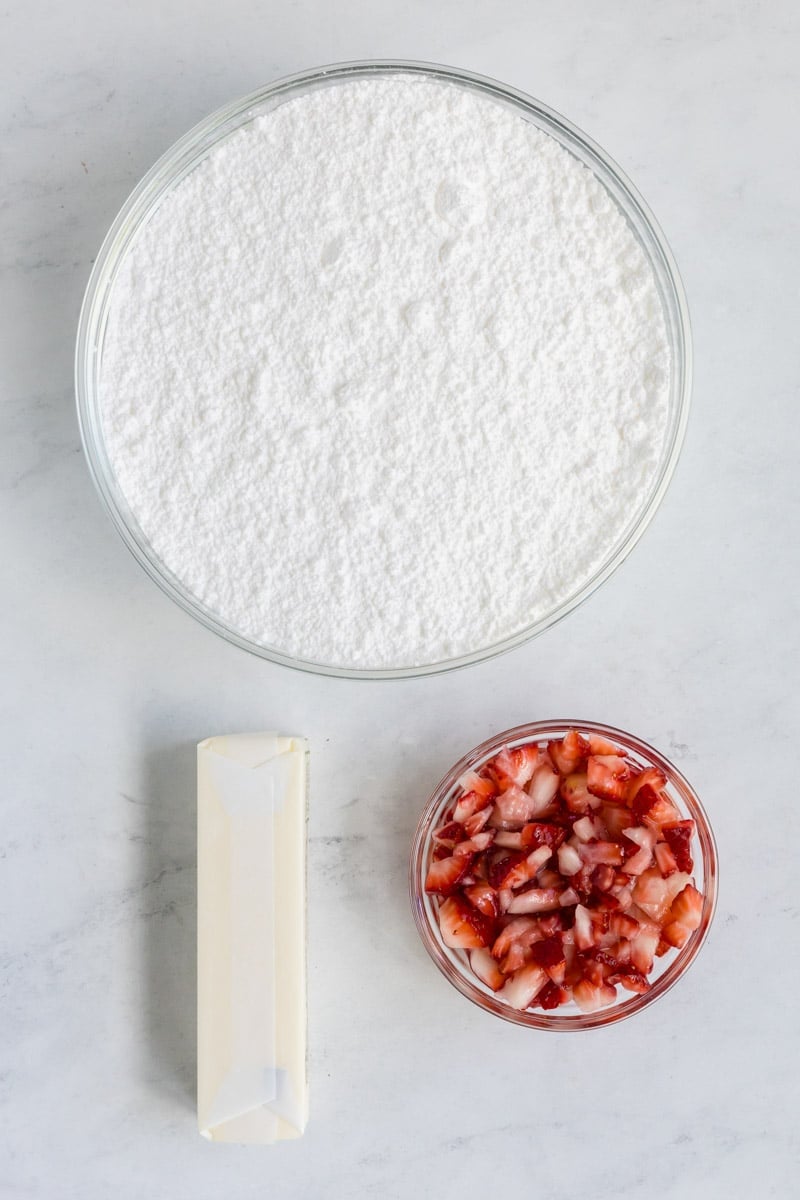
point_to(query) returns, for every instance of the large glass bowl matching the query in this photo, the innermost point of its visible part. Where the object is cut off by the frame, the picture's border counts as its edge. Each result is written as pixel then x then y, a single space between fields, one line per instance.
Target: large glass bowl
pixel 454 964
pixel 185 155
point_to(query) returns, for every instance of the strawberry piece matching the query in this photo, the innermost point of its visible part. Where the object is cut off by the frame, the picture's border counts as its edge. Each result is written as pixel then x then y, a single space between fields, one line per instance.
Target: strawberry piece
pixel 551 923
pixel 603 878
pixel 502 867
pixel 512 809
pixel 444 874
pixel 484 898
pixel 471 781
pixel 617 818
pixel 623 926
pixel 649 777
pixel 602 852
pixel 568 753
pixel 486 969
pixel 527 868
pixel 662 948
pixel 534 901
pixel 606 776
pixel 643 948
pixel 549 953
pixel 574 792
pixel 599 745
pixel 462 926
pixel 469 803
pixel 675 934
pixel 449 834
pixel 552 996
pixel 639 842
pixel 568 897
pixel 541 833
pixel 656 894
pixel 524 930
pixel 476 845
pixel 652 806
pixel 543 787
pixel 590 996
pixel 583 928
pixel 504 898
pixel 524 985
pixel 440 852
pixel 631 979
pixel 515 765
pixel 569 860
pixel 550 879
pixel 517 956
pixel 678 836
pixel 665 859
pixel 687 907
pixel 509 839
pixel 584 829
pixel 477 821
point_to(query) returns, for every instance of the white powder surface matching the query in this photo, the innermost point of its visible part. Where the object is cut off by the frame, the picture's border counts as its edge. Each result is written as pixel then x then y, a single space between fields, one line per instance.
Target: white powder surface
pixel 386 376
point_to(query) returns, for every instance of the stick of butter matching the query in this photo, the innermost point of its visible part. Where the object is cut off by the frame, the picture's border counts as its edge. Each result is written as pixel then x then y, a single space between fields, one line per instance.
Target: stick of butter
pixel 251 956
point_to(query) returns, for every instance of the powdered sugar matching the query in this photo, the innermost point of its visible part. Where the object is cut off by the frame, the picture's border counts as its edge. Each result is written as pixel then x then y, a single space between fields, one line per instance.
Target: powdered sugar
pixel 386 376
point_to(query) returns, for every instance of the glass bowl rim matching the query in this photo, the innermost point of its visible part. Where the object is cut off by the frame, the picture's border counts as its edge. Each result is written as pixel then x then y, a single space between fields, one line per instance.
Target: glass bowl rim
pixel 461 978
pixel 171 168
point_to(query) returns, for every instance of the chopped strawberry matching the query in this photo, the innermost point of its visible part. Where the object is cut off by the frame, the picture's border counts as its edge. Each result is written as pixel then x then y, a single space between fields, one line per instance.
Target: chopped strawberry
pixel 584 829
pixel 687 907
pixel 601 852
pixel 476 822
pixel 606 776
pixel 449 834
pixel 583 927
pixel 568 897
pixel 551 923
pixel 512 809
pixel 541 833
pixel 641 859
pixel 631 979
pixel 502 867
pixel 462 926
pixel 648 777
pixel 675 934
pixel 552 996
pixel 569 860
pixel 543 787
pixel 524 985
pixel 603 878
pixel 623 926
pixel 486 969
pixel 548 878
pixel 617 818
pixel 522 929
pixel 517 956
pixel 600 745
pixel 476 845
pixel 568 753
pixel 469 803
pixel 471 781
pixel 509 839
pixel 534 901
pixel 574 792
pixel 589 996
pixel 653 807
pixel 643 948
pixel 678 836
pixel 527 868
pixel 484 898
pixel 515 765
pixel 549 953
pixel 444 874
pixel 665 859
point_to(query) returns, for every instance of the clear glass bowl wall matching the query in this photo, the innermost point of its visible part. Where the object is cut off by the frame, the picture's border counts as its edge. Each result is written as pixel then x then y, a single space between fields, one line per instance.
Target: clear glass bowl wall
pixel 184 156
pixel 454 964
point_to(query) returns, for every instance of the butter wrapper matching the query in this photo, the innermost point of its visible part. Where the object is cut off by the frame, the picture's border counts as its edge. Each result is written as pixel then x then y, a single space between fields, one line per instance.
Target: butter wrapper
pixel 251 938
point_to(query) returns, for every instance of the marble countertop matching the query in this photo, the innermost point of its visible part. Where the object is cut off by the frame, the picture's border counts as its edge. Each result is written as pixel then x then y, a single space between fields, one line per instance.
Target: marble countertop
pixel 107 686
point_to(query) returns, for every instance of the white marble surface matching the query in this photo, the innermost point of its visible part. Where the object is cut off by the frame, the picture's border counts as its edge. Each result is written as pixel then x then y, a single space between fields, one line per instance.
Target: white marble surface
pixel 107 686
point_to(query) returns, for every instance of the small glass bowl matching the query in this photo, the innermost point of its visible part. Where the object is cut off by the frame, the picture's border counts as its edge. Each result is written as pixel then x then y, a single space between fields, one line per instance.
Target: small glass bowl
pixel 454 964
pixel 197 144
